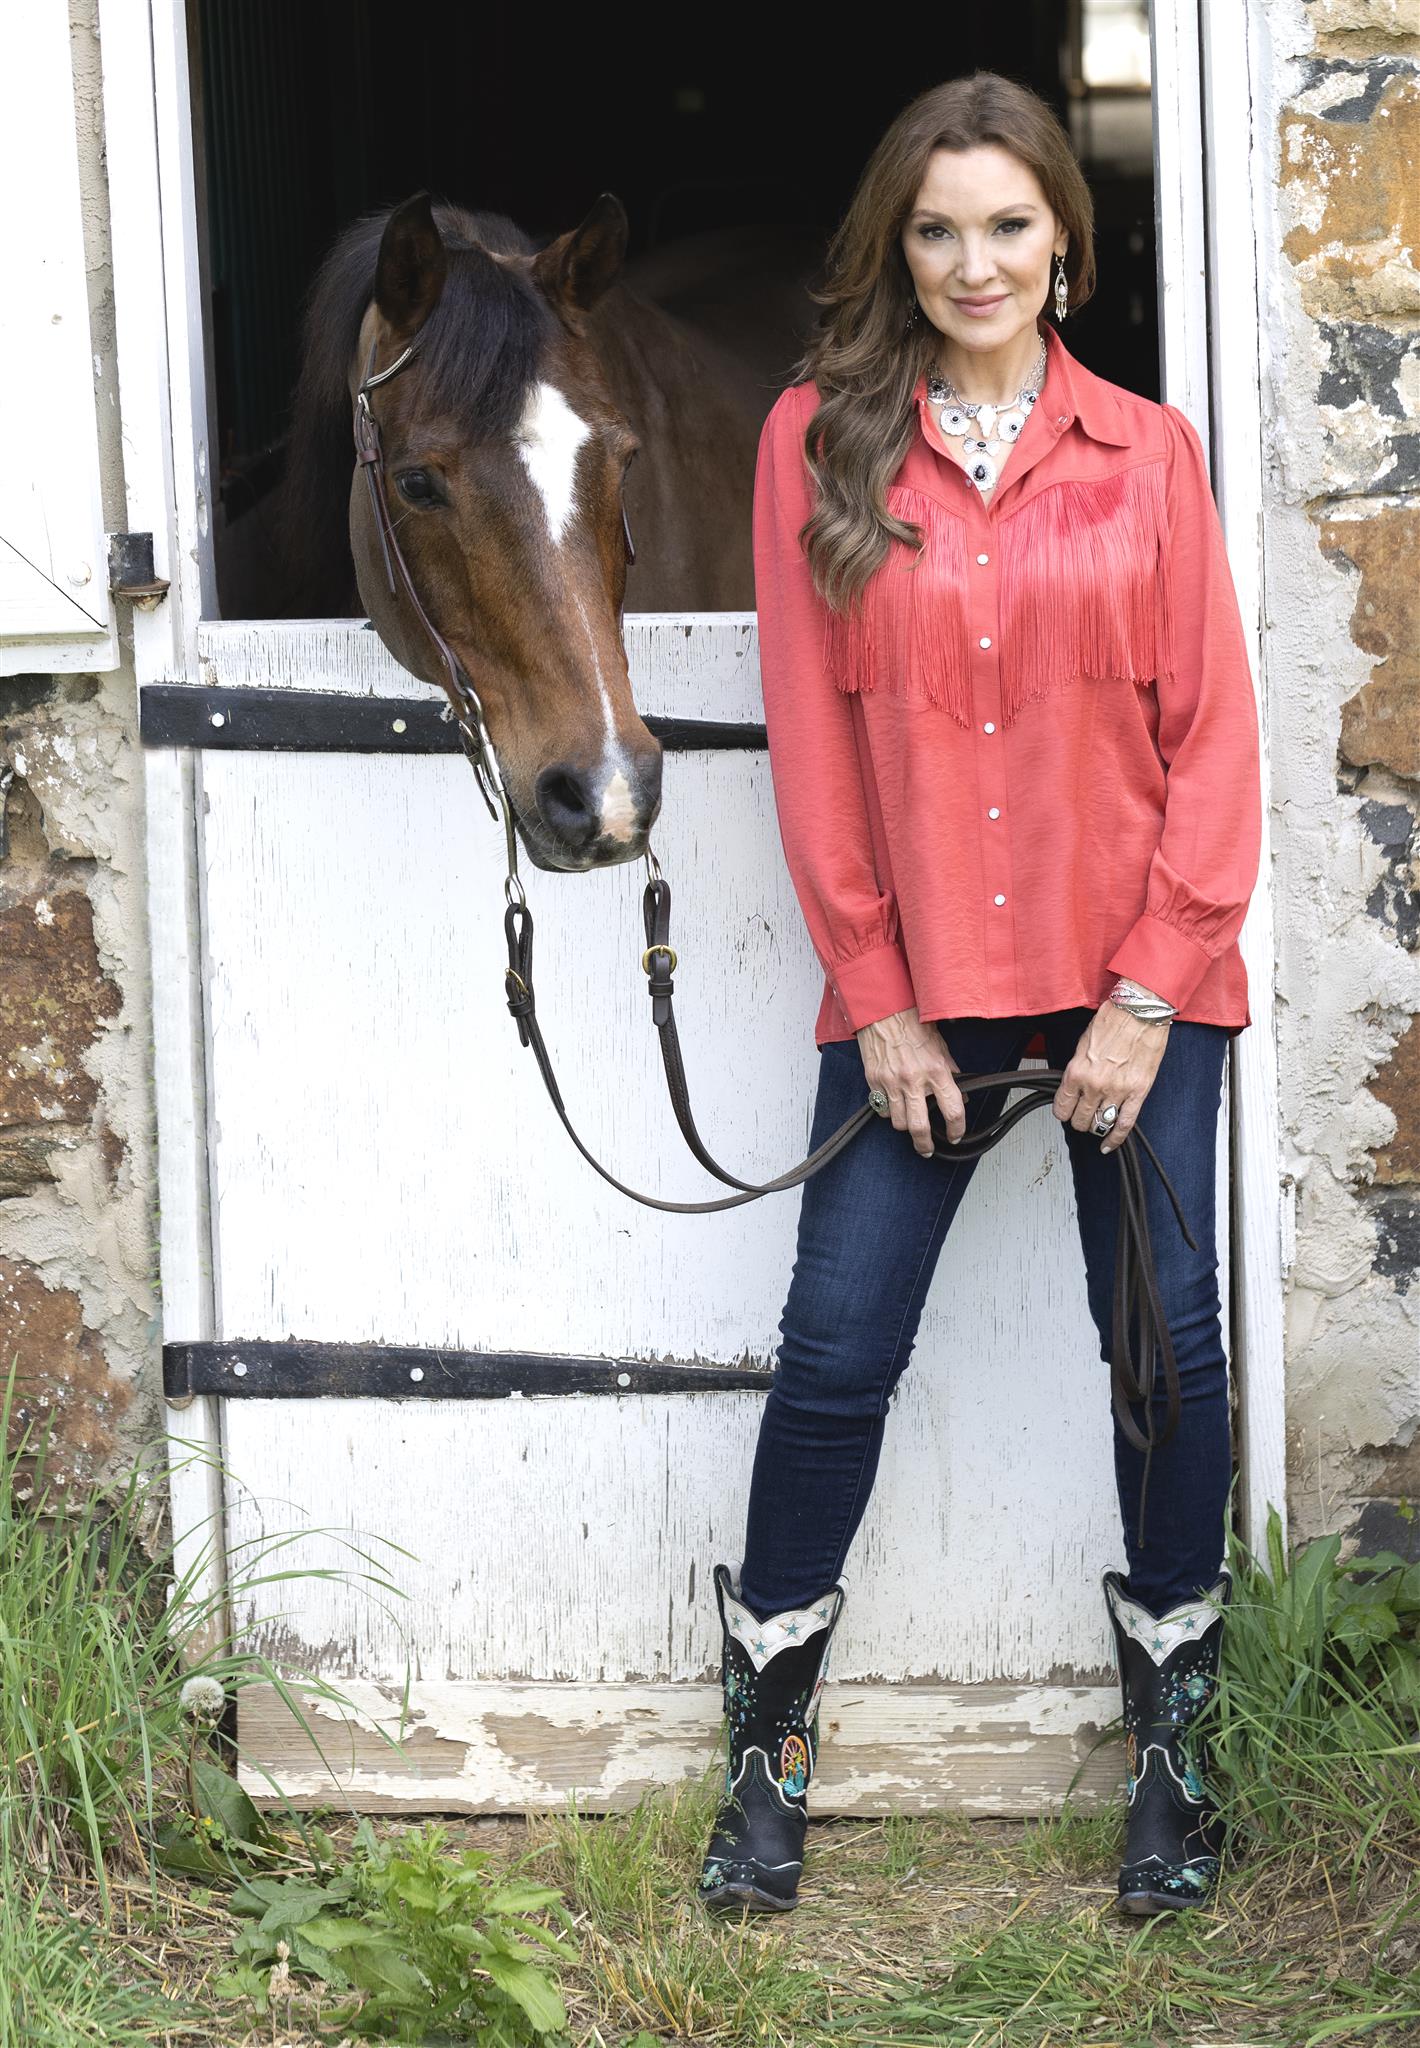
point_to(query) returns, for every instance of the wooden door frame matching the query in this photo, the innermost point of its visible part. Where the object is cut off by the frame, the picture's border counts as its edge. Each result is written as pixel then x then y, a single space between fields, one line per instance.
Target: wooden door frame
pixel 1206 58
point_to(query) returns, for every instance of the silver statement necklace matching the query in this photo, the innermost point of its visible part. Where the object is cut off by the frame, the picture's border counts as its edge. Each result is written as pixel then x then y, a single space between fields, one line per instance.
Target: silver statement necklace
pixel 985 430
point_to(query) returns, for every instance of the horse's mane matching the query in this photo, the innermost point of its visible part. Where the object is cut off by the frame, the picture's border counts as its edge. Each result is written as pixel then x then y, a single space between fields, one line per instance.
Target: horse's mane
pixel 480 351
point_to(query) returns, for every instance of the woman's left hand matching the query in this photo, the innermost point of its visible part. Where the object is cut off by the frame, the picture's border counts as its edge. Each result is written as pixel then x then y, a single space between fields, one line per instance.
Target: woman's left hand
pixel 1115 1061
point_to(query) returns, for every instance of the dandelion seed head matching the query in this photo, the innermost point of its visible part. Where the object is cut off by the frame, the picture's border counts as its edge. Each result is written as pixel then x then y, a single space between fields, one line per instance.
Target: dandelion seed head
pixel 202 1699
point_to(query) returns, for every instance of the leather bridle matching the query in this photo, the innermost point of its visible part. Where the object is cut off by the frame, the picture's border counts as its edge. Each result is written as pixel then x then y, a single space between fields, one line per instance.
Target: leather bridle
pixel 1136 1294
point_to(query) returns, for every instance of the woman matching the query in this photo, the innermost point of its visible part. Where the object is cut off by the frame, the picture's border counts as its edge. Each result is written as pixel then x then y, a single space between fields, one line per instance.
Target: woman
pixel 1014 747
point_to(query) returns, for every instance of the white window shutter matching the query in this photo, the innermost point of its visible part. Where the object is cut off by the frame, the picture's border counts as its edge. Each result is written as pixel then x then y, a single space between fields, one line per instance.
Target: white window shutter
pixel 55 608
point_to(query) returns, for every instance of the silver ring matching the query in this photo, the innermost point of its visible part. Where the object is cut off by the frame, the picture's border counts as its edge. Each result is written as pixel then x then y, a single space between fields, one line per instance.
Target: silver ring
pixel 878 1100
pixel 1105 1119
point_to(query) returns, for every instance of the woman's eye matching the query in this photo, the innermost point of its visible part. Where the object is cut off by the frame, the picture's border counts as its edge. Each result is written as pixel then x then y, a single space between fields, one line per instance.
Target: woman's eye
pixel 931 232
pixel 417 486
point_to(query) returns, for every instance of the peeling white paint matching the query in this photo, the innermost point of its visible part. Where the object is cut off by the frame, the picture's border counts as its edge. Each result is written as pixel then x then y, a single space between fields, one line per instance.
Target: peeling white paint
pixel 985 1749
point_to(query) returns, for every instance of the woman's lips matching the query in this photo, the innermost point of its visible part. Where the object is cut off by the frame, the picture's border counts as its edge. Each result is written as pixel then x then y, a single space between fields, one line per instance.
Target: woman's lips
pixel 979 307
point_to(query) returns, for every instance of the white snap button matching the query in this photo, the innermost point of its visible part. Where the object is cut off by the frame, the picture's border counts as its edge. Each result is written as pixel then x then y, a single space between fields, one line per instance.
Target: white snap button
pixel 988 727
pixel 998 899
pixel 985 642
pixel 993 812
pixel 983 558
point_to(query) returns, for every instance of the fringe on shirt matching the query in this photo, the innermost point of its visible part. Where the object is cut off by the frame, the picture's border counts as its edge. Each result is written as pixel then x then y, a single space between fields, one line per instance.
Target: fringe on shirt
pixel 906 633
pixel 1083 593
pixel 1083 587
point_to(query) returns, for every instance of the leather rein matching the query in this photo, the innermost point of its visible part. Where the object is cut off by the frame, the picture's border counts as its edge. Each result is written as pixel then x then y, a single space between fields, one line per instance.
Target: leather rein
pixel 1136 1294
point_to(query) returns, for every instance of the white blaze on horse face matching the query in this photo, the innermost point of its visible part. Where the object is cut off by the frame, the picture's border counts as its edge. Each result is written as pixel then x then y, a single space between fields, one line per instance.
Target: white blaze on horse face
pixel 618 806
pixel 547 439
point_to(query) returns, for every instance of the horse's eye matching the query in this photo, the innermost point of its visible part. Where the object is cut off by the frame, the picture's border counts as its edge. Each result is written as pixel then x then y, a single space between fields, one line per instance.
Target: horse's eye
pixel 417 486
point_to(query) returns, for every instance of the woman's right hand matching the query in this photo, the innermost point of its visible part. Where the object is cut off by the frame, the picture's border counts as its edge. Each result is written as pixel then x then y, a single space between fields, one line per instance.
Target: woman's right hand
pixel 909 1061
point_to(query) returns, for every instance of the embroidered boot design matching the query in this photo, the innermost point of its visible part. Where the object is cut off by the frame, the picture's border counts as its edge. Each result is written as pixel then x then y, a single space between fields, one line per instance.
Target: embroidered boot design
pixel 773 1675
pixel 1168 1668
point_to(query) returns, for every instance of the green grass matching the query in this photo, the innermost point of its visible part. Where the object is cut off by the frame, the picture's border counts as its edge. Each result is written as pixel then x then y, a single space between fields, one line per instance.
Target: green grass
pixel 97 1756
pixel 913 1929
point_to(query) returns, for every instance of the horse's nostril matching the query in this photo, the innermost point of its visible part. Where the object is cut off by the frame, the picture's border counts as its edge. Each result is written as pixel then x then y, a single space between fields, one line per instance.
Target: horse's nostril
pixel 565 802
pixel 580 807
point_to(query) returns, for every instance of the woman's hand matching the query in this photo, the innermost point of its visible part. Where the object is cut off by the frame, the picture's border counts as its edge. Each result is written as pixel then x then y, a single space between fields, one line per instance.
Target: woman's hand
pixel 909 1061
pixel 1115 1061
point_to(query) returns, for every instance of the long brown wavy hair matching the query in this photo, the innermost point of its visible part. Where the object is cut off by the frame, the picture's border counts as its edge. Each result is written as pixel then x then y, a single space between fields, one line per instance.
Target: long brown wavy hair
pixel 863 360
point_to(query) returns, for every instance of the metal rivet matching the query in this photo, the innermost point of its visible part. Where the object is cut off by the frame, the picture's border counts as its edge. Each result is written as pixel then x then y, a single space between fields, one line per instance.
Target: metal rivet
pixel 416 1372
pixel 397 725
pixel 219 718
pixel 623 1379
pixel 240 1370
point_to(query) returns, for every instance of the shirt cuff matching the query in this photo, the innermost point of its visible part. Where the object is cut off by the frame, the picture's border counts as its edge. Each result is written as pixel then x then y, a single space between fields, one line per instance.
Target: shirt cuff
pixel 1162 958
pixel 873 985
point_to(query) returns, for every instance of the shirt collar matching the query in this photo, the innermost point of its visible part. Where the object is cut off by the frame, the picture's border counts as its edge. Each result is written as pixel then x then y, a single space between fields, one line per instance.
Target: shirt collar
pixel 1071 393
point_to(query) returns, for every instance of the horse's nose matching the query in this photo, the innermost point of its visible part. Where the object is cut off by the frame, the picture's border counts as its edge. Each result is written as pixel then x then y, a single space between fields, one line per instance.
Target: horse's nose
pixel 613 800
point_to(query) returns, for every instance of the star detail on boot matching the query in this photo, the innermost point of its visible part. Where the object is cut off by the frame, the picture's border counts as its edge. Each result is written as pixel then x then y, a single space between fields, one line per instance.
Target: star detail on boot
pixel 1161 1634
pixel 760 1639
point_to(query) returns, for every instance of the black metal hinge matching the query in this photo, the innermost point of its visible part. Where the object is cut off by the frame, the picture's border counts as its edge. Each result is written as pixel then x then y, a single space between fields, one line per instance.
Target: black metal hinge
pixel 334 721
pixel 265 1370
pixel 130 569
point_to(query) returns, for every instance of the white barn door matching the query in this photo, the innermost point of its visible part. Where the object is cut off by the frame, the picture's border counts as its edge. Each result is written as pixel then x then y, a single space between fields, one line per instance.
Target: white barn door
pixel 387 1170
pixel 364 1186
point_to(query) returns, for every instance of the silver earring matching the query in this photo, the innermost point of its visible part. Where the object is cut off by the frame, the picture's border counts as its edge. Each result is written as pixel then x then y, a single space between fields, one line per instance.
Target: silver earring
pixel 1062 290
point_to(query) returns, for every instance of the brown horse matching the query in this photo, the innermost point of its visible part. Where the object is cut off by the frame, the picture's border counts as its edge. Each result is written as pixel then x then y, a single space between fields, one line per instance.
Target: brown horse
pixel 509 440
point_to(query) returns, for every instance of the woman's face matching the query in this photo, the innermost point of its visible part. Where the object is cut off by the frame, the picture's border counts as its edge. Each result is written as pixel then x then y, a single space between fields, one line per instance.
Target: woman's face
pixel 980 229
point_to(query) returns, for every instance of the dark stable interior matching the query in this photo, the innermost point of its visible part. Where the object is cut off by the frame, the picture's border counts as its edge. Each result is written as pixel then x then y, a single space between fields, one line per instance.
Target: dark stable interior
pixel 307 112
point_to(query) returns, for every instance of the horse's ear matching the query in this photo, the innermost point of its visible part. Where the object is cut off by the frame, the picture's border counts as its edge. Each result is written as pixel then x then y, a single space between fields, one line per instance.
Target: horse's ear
pixel 576 269
pixel 412 265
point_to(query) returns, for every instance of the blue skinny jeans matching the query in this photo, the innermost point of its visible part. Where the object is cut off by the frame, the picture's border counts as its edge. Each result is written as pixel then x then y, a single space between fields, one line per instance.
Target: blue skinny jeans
pixel 871 1226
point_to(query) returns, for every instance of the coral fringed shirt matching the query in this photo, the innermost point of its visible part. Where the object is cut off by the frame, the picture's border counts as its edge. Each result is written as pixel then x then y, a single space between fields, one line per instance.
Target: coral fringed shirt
pixel 1029 762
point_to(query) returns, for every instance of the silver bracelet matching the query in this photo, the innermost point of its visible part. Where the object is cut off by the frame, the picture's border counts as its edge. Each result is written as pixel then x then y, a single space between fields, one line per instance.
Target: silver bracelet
pixel 1141 1002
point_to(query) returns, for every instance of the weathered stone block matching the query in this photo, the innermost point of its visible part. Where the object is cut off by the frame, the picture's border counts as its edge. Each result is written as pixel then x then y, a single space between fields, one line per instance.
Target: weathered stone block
pixel 54 997
pixel 1377 20
pixel 1380 725
pixel 62 1381
pixel 1349 146
pixel 1368 395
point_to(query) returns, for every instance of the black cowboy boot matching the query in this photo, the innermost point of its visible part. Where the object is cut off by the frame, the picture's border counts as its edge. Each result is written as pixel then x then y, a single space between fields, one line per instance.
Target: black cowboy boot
pixel 773 1674
pixel 1168 1669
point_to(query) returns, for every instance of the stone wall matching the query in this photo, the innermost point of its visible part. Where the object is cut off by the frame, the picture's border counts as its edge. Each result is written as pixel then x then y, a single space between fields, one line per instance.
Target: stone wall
pixel 79 1303
pixel 1341 299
